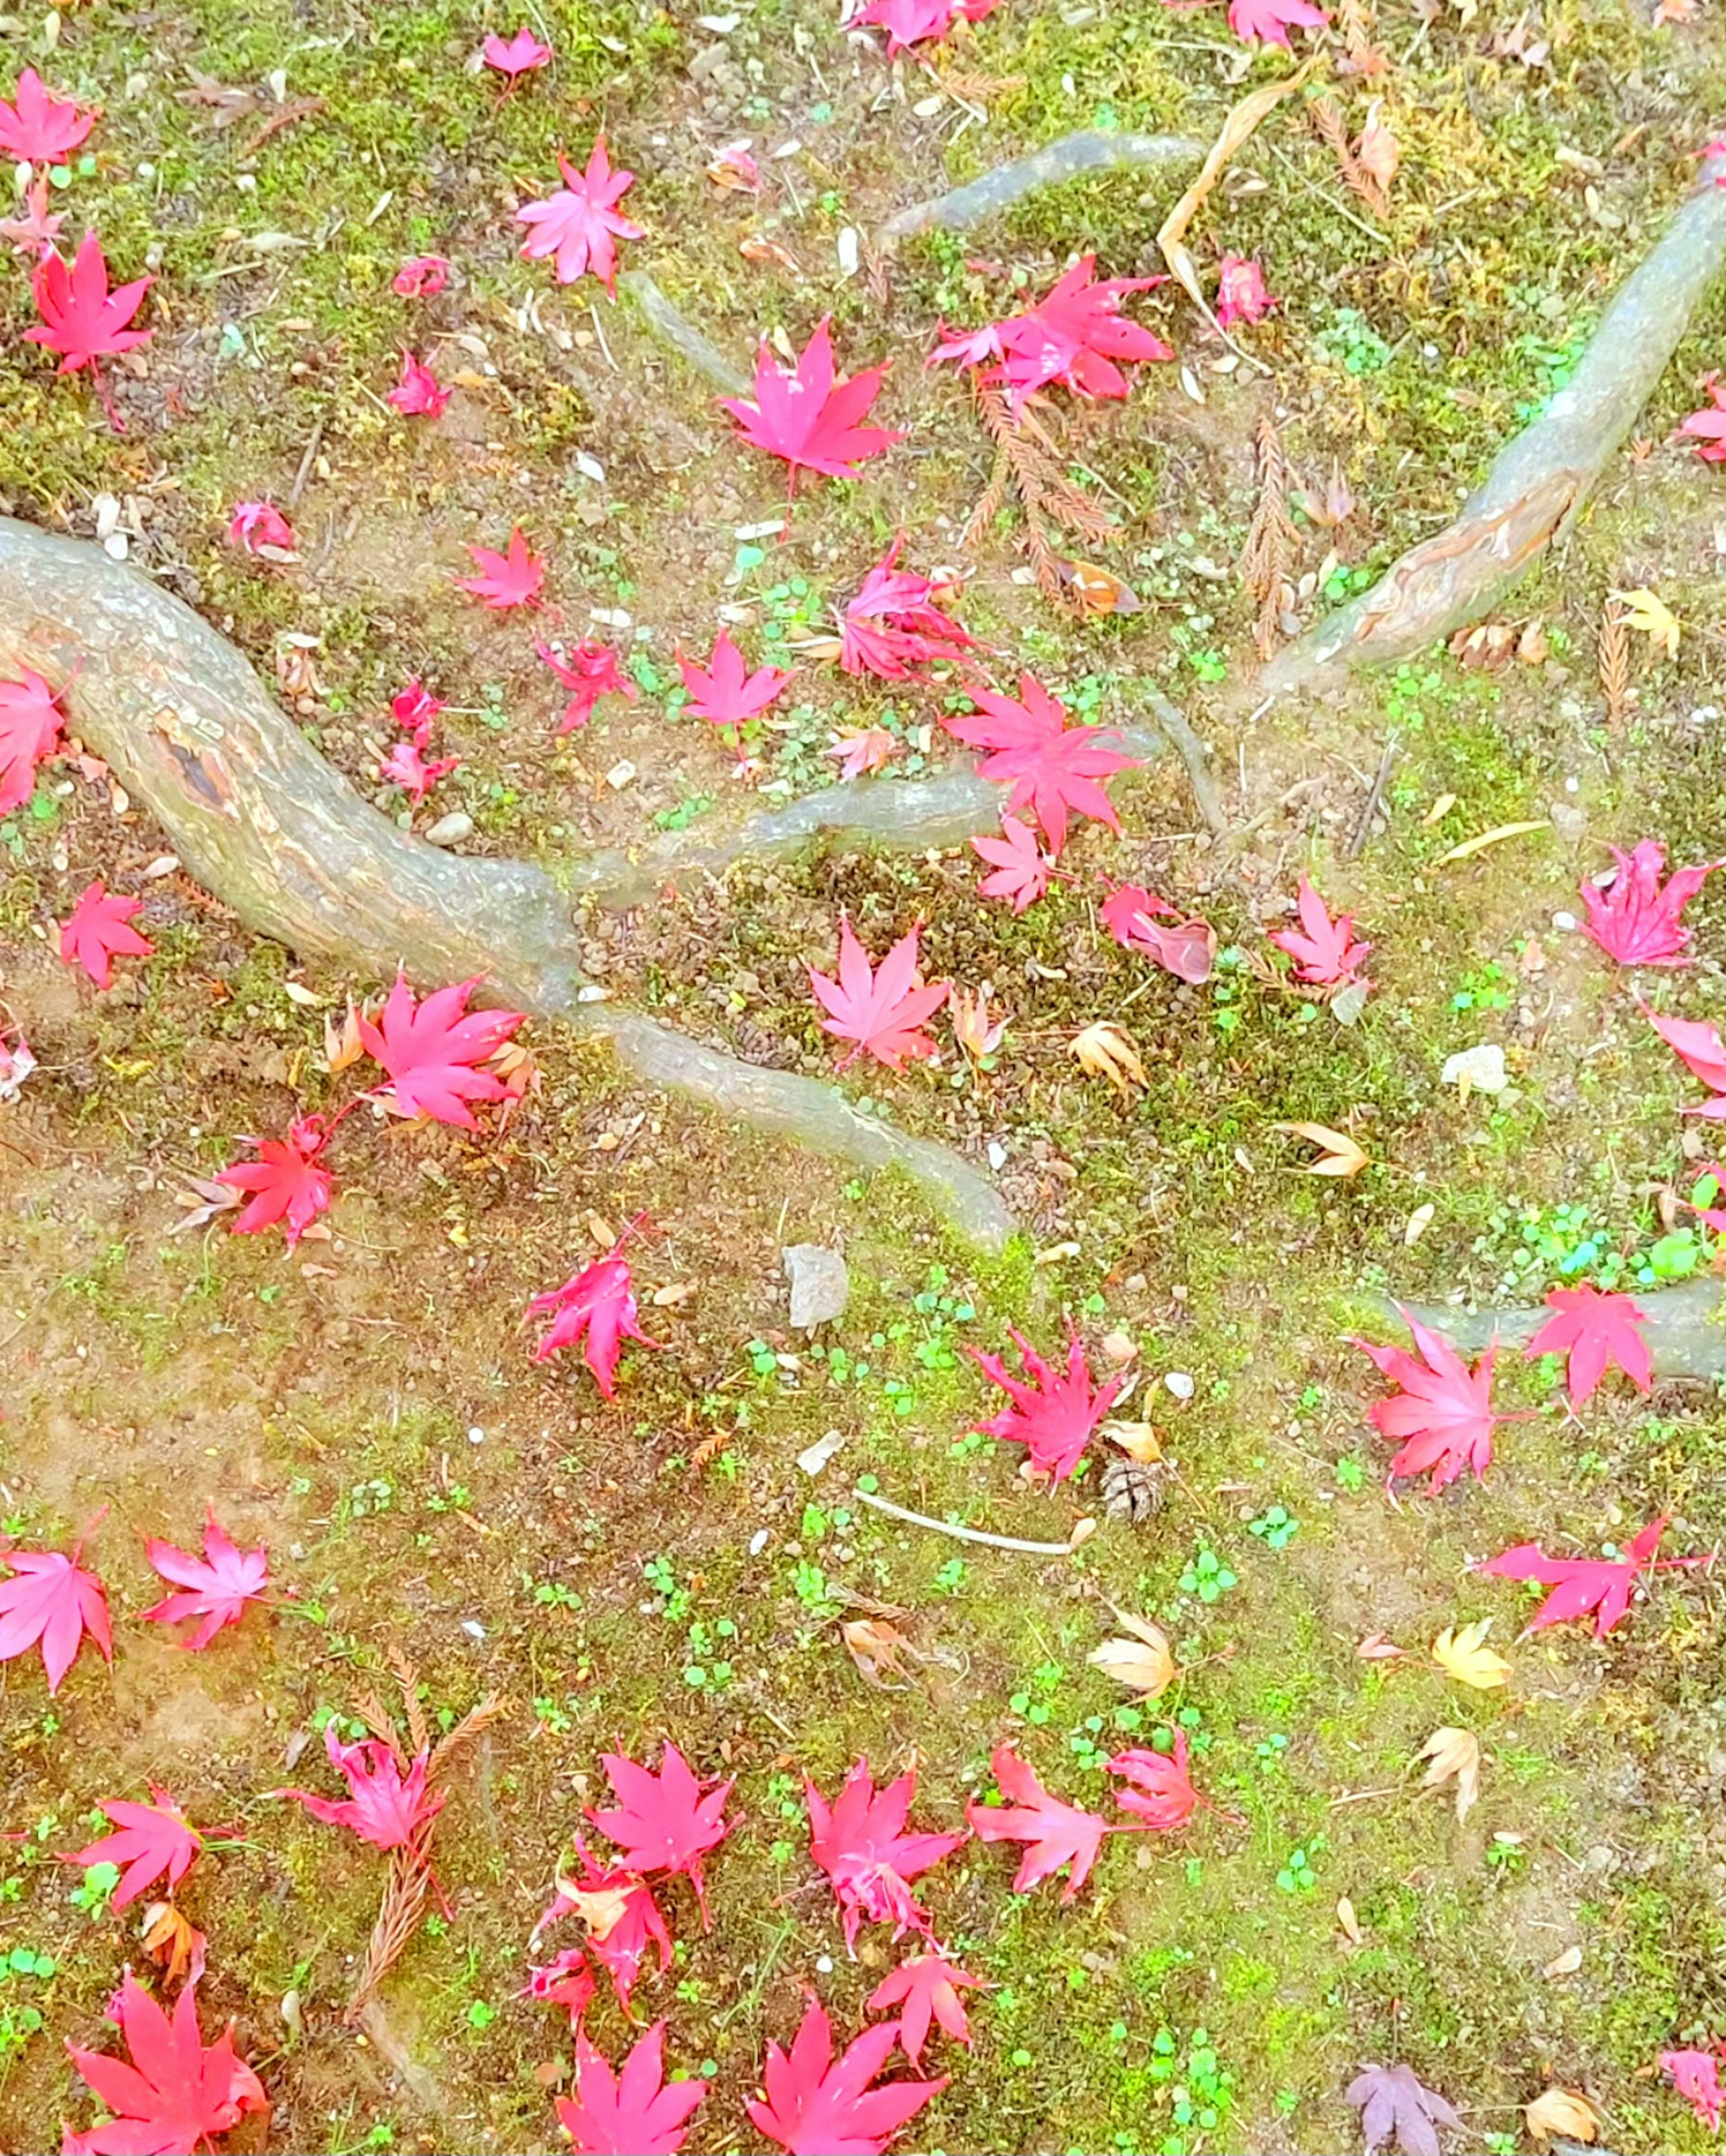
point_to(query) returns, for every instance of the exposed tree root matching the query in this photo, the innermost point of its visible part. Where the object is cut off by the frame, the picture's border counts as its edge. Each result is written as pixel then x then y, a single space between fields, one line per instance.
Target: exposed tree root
pixel 1064 159
pixel 1683 1330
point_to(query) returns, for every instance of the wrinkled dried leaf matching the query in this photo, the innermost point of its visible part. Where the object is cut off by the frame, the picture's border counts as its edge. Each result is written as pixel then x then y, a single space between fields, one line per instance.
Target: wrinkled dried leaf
pixel 1564 1964
pixel 1137 1439
pixel 1103 1050
pixel 1376 152
pixel 173 1942
pixel 1418 1222
pixel 1375 1647
pixel 203 1199
pixel 1144 1664
pixel 1560 2113
pixel 1338 1154
pixel 878 1648
pixel 341 1043
pixel 1463 1654
pixel 1453 1755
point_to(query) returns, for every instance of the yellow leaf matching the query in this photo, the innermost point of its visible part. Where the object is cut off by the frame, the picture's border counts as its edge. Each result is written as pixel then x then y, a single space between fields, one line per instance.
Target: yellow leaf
pixel 1339 1153
pixel 1349 1921
pixel 1647 611
pixel 1103 1050
pixel 1137 1439
pixel 1144 1664
pixel 1495 836
pixel 1464 1655
pixel 1440 810
pixel 1454 1755
pixel 1558 2112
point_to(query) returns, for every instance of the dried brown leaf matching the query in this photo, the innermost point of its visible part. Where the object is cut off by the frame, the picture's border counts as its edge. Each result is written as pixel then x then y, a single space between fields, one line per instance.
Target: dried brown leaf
pixel 1453 1755
pixel 1103 1050
pixel 1339 1153
pixel 1560 2114
pixel 878 1648
pixel 1144 1663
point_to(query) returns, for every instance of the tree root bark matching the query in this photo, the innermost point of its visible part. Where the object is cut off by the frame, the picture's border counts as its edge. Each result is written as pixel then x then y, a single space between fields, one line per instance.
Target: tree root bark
pixel 1065 159
pixel 1684 1331
pixel 262 821
pixel 1539 481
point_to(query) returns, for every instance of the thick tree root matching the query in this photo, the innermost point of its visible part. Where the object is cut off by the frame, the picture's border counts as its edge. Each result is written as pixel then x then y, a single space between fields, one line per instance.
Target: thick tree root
pixel 1064 159
pixel 675 329
pixel 260 820
pixel 1683 1330
pixel 1540 480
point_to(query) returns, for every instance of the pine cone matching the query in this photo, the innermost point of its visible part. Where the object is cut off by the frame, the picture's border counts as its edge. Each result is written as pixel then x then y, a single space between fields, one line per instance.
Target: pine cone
pixel 1132 1489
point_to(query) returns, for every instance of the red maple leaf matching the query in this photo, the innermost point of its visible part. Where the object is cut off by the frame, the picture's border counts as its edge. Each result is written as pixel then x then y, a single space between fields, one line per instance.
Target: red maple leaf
pixel 800 415
pixel 1699 1045
pixel 1444 1410
pixel 861 749
pixel 862 1845
pixel 39 128
pixel 1635 921
pixel 588 672
pixel 566 1982
pixel 1601 1584
pixel 418 394
pixel 1073 336
pixel 432 1052
pixel 1696 2076
pixel 415 708
pixel 96 931
pixel 261 528
pixel 514 56
pixel 600 1303
pixel 37 230
pixel 406 766
pixel 664 1822
pixel 1398 2111
pixel 1241 292
pixel 1159 1790
pixel 816 2106
pixel 926 1987
pixel 575 226
pixel 152 1840
pixel 622 1917
pixel 1267 21
pixel 1053 1833
pixel 1019 872
pixel 512 579
pixel 1595 1331
pixel 893 625
pixel 1708 427
pixel 288 1182
pixel 81 319
pixel 631 2113
pixel 1326 954
pixel 724 691
pixel 1051 767
pixel 1053 1416
pixel 917 22
pixel 383 1806
pixel 177 2093
pixel 1134 918
pixel 421 277
pixel 50 1599
pixel 881 1008
pixel 30 723
pixel 216 1587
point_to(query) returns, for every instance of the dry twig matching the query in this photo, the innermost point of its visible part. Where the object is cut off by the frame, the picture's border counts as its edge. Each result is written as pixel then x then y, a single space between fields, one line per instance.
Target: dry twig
pixel 1264 558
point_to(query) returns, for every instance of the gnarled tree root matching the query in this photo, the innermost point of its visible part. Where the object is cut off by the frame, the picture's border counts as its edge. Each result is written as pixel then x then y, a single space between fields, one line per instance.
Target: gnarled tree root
pixel 261 820
pixel 1684 1331
pixel 1064 159
pixel 1539 481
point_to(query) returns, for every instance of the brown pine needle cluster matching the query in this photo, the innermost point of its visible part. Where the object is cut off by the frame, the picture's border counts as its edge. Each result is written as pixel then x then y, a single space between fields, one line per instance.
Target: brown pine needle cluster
pixel 1028 464
pixel 1354 19
pixel 1613 655
pixel 1264 558
pixel 1326 117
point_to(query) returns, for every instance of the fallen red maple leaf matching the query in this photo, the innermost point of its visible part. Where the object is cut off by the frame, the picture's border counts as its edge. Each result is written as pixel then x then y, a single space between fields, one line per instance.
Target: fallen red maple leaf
pixel 632 2113
pixel 724 691
pixel 893 625
pixel 406 766
pixel 664 1822
pixel 96 931
pixel 1241 294
pixel 30 723
pixel 862 749
pixel 576 225
pixel 1396 2106
pixel 258 525
pixel 1268 21
pixel 81 319
pixel 421 277
pixel 216 1587
pixel 1444 1410
pixel 1697 1044
pixel 800 415
pixel 514 56
pixel 910 22
pixel 816 2106
pixel 1052 767
pixel 589 670
pixel 52 1600
pixel 1601 1584
pixel 1595 1331
pixel 1053 1833
pixel 926 1987
pixel 1052 1416
pixel 1696 2076
pixel 38 128
pixel 1326 954
pixel 1019 872
pixel 600 1303
pixel 566 1982
pixel 1635 921
pixel 1708 427
pixel 510 579
pixel 153 1839
pixel 432 1051
pixel 1159 1790
pixel 415 708
pixel 862 1845
pixel 383 1806
pixel 883 1008
pixel 177 2093
pixel 1073 336
pixel 288 1182
pixel 418 394
pixel 622 1917
pixel 1134 918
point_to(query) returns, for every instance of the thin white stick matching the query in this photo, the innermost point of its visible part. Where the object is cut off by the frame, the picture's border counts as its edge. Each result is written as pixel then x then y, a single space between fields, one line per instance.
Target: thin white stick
pixel 960 1534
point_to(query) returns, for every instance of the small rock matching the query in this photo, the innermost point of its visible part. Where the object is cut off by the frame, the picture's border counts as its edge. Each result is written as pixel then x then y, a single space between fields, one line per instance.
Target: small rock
pixel 815 1457
pixel 620 775
pixel 1566 922
pixel 474 1629
pixel 1568 821
pixel 1117 1348
pixel 1477 1070
pixel 758 1542
pixel 1178 1382
pixel 821 1286
pixel 451 829
pixel 997 1155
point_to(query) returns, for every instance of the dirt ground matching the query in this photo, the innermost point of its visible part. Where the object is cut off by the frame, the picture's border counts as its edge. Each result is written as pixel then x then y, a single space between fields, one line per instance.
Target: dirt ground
pixel 660 1566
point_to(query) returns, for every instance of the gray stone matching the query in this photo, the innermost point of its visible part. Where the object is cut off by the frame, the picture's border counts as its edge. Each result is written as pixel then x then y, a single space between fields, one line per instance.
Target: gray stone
pixel 451 829
pixel 821 1286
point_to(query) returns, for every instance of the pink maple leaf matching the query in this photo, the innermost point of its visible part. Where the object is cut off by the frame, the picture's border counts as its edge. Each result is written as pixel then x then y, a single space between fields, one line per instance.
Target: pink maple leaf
pixel 800 414
pixel 96 931
pixel 421 277
pixel 598 1302
pixel 589 670
pixel 1697 1044
pixel 1051 767
pixel 288 1182
pixel 153 1842
pixel 1019 872
pixel 924 1989
pixel 816 2106
pixel 1268 22
pixel 1241 294
pixel 38 128
pixel 1443 1410
pixel 37 230
pixel 893 625
pixel 575 226
pixel 623 1920
pixel 1635 919
pixel 724 692
pixel 1053 1833
pixel 566 1982
pixel 1595 1331
pixel 664 1822
pixel 510 579
pixel 1073 336
pixel 861 1844
pixel 256 526
pixel 910 22
pixel 216 1588
pixel 635 2113
pixel 177 2093
pixel 1053 1415
pixel 1326 954
pixel 52 1601
pixel 418 394
pixel 432 1051
pixel 514 56
pixel 1159 1788
pixel 406 766
pixel 1580 1585
pixel 81 319
pixel 1134 918
pixel 861 749
pixel 383 1806
pixel 882 1010
pixel 1708 427
pixel 415 708
pixel 1696 2076
pixel 30 723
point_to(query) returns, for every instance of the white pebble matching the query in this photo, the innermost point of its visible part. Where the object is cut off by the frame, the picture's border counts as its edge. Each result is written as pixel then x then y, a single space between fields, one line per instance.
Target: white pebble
pixel 474 1629
pixel 757 1541
pixel 1566 921
pixel 476 1435
pixel 1180 1383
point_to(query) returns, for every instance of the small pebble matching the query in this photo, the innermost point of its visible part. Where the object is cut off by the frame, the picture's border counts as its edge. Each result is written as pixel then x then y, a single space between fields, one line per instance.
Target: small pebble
pixel 823 1964
pixel 474 1629
pixel 757 1541
pixel 1566 921
pixel 449 830
pixel 476 1435
pixel 1178 1382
